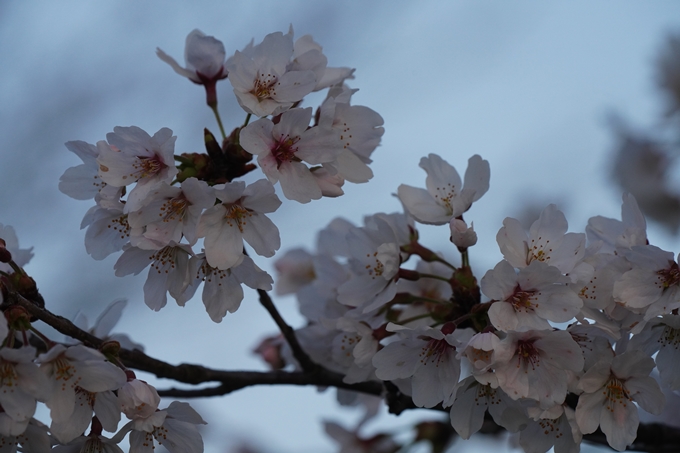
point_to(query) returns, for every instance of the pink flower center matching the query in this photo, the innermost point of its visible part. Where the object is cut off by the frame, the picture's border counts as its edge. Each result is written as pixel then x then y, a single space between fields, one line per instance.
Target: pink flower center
pixel 528 354
pixel 434 351
pixel 174 209
pixel 265 86
pixel 670 277
pixel 616 393
pixel 146 167
pixel 523 300
pixel 285 150
pixel 237 215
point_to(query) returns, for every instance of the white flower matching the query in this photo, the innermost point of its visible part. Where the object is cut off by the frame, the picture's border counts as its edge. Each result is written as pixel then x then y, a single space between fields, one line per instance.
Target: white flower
pixel 652 284
pixel 222 291
pixel 554 427
pixel 283 148
pixel 631 230
pixel 30 434
pixel 446 196
pixel 263 81
pixel 169 271
pixel 662 335
pixel 22 383
pixel 610 387
pixel 72 370
pixel 240 217
pixel 547 241
pixel 528 300
pixel 170 213
pixel 107 232
pixel 132 156
pixel 357 129
pixel 82 182
pixel 173 427
pixel 428 357
pixel 533 365
pixel 472 401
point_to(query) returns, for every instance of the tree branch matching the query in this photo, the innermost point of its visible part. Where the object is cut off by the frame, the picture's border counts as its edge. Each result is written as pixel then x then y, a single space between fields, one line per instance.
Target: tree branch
pixel 288 332
pixel 651 437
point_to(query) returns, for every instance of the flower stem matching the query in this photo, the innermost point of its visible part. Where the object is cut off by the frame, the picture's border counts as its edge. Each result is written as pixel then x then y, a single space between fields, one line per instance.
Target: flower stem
pixel 219 121
pixel 245 123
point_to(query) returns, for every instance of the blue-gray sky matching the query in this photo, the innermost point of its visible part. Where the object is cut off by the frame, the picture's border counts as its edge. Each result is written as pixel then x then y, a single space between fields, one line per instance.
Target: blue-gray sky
pixel 525 84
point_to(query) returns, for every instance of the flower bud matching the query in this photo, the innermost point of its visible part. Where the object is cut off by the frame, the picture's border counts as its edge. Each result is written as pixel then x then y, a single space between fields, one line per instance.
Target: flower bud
pixel 138 399
pixel 462 236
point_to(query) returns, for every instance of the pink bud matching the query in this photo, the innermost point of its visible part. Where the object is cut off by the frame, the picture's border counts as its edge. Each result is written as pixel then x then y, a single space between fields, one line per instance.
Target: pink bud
pixel 462 236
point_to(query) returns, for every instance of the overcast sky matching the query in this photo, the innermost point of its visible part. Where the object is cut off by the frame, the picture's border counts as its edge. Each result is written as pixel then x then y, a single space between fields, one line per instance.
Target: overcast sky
pixel 525 84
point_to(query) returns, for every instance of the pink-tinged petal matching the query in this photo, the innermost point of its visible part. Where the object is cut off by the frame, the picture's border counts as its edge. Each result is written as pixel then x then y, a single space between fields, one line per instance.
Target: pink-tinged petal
pixel 442 178
pixel 477 176
pixel 181 437
pixel 261 197
pixel 220 297
pixel 512 240
pixel 397 360
pixel 262 235
pixel 293 124
pixel 176 67
pixel 256 138
pixel 67 429
pixel 503 316
pixel 499 283
pixel 467 412
pixel 185 413
pixel 620 424
pixel 588 411
pixel 352 168
pixel 223 243
pixel 420 204
pixel 298 183
pixel 645 391
pixel 294 85
pixel 637 288
pixel 100 376
pixel 632 363
pixel 107 410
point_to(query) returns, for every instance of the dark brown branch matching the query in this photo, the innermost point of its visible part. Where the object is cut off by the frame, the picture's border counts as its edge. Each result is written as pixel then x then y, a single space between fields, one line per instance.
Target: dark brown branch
pixel 651 437
pixel 288 332
pixel 198 374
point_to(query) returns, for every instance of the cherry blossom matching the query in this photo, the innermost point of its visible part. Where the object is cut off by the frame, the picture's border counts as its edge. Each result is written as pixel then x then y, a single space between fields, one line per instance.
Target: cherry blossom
pixel 446 196
pixel 529 299
pixel 533 365
pixel 547 241
pixel 240 217
pixel 261 78
pixel 82 182
pixel 282 148
pixel 610 387
pixel 428 357
pixel 132 155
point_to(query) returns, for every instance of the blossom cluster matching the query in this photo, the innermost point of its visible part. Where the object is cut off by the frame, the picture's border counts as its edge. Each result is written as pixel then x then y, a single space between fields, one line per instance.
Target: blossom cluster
pixel 82 387
pixel 569 333
pixel 155 206
pixel 554 342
